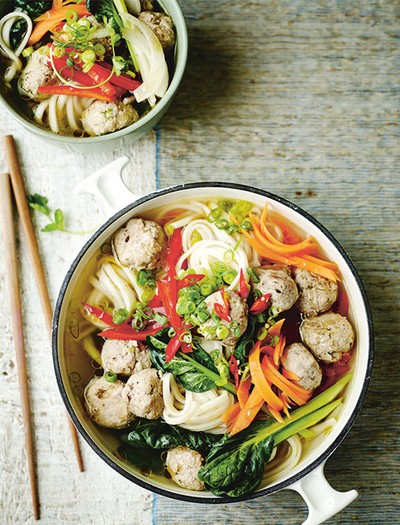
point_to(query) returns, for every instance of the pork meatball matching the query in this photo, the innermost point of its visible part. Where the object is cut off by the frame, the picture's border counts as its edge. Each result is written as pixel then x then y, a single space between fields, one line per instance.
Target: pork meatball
pixel 162 26
pixel 105 403
pixel 316 294
pixel 328 336
pixel 184 464
pixel 238 312
pixel 143 391
pixel 140 244
pixel 124 357
pixel 298 359
pixel 105 117
pixel 37 73
pixel 276 280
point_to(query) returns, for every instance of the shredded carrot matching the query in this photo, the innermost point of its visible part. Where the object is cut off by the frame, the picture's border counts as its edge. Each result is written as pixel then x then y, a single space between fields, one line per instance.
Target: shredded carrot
pixel 259 380
pixel 243 391
pixel 285 249
pixel 275 329
pixel 286 404
pixel 279 348
pixel 290 236
pixel 48 20
pixel 276 414
pixel 248 412
pixel 229 416
pixel 308 243
pixel 298 394
pixel 267 350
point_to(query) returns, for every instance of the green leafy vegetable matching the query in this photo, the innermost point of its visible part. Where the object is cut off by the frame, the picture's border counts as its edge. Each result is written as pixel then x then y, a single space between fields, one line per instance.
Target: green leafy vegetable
pixel 246 342
pixel 143 458
pixel 235 465
pixel 39 203
pixel 105 10
pixel 195 372
pixel 33 9
pixel 157 434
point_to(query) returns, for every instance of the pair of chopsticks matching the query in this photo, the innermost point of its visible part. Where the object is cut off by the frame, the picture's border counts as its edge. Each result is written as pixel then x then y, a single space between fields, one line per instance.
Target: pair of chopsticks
pixel 10 253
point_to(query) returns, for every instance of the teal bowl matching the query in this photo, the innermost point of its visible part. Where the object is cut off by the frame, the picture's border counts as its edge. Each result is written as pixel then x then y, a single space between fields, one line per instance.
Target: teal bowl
pixel 126 135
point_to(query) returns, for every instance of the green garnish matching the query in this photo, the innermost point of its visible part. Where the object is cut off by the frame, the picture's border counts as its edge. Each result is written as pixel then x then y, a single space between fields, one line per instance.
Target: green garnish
pixel 110 377
pixel 120 316
pixel 39 203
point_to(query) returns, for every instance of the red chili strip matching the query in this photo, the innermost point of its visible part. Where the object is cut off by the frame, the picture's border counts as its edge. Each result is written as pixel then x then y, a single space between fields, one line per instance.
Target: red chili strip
pixel 244 289
pixel 190 280
pixel 130 336
pixel 260 305
pixel 234 369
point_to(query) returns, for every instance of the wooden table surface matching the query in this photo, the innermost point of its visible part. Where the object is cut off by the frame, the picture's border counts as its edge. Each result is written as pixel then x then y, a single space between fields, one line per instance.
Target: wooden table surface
pixel 298 98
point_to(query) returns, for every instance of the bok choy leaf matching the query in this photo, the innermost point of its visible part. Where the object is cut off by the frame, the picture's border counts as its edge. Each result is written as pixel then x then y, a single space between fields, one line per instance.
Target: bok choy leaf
pixel 235 465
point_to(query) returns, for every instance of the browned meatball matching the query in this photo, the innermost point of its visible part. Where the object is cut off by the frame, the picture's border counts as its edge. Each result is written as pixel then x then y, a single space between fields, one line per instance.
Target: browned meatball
pixel 144 393
pixel 106 405
pixel 316 294
pixel 328 336
pixel 298 359
pixel 276 280
pixel 124 357
pixel 162 26
pixel 184 464
pixel 105 117
pixel 140 244
pixel 37 73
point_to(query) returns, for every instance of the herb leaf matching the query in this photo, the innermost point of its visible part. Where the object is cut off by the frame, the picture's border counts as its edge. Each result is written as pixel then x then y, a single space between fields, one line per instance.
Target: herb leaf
pixel 39 203
pixel 59 219
pixel 51 227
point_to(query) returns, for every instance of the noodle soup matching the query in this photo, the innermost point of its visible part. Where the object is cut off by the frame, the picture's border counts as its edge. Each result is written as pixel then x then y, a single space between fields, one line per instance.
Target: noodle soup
pixel 86 69
pixel 209 328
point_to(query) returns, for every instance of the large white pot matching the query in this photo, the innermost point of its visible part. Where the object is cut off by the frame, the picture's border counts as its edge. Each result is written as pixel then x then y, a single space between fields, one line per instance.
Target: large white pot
pixel 308 477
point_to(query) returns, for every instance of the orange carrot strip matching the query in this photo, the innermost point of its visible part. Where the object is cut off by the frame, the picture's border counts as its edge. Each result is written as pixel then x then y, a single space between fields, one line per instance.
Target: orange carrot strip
pixel 276 414
pixel 267 350
pixel 284 249
pixel 299 395
pixel 51 18
pixel 248 412
pixel 243 391
pixel 279 347
pixel 231 414
pixel 321 262
pixel 275 329
pixel 280 246
pixel 259 380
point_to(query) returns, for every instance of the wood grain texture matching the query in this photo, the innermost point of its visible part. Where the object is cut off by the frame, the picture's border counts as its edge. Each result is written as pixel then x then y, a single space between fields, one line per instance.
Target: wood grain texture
pixel 302 99
pixel 99 495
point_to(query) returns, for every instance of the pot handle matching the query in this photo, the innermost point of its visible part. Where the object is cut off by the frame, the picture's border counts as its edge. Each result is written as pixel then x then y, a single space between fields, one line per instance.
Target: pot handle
pixel 108 186
pixel 322 500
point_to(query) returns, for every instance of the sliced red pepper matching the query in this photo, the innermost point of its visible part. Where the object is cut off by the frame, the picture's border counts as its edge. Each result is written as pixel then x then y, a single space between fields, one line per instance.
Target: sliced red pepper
pixel 96 93
pixel 234 369
pixel 100 314
pixel 168 293
pixel 190 280
pixel 260 305
pixel 155 302
pixel 133 335
pixel 172 347
pixel 222 310
pixel 244 289
pixel 123 81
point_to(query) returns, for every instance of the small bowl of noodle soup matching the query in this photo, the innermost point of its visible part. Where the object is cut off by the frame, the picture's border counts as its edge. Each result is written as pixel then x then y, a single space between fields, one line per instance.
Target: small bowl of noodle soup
pixel 213 343
pixel 92 74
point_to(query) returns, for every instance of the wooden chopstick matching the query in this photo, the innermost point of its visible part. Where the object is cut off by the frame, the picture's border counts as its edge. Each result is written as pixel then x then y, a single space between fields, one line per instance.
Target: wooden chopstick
pixel 10 253
pixel 33 248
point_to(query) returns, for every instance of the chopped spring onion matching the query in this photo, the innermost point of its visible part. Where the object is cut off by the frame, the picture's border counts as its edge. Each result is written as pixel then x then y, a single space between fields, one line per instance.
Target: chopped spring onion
pixel 71 16
pixel 120 316
pixel 253 276
pixel 206 288
pixel 246 224
pixel 214 214
pixel 222 331
pixel 110 377
pixel 222 224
